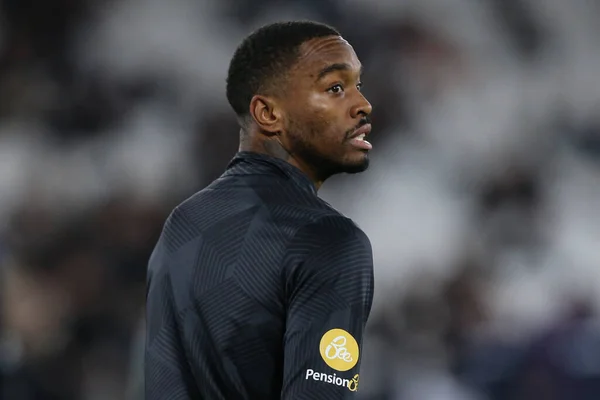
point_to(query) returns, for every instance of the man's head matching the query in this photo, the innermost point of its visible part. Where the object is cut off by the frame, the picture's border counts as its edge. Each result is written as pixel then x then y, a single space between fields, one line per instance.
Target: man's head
pixel 295 87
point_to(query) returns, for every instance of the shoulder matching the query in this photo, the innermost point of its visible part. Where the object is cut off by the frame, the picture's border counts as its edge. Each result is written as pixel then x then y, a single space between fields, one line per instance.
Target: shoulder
pixel 329 252
pixel 211 210
pixel 327 232
pixel 332 226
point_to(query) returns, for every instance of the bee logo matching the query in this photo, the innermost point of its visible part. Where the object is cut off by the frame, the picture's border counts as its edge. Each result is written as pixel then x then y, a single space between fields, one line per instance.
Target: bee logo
pixel 339 350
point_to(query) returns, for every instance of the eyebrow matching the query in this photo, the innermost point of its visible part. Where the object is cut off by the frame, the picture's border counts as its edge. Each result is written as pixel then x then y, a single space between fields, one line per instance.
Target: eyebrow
pixel 336 67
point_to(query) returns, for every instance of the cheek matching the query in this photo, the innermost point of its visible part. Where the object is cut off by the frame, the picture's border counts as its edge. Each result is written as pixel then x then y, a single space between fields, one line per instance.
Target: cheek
pixel 323 106
pixel 311 124
pixel 325 116
pixel 318 121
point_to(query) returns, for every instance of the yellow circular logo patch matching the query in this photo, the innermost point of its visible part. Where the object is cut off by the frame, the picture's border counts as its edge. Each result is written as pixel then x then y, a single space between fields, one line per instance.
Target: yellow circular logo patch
pixel 339 350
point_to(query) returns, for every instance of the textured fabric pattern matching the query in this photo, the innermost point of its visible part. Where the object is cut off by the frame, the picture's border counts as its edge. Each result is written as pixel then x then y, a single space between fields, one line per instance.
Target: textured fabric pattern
pixel 247 277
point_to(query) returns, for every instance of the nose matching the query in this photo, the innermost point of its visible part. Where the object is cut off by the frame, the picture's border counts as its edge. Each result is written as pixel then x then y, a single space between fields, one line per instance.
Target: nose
pixel 362 107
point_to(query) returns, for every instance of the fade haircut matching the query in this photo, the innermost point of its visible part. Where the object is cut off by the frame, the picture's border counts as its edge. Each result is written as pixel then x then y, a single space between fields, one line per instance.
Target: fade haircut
pixel 265 56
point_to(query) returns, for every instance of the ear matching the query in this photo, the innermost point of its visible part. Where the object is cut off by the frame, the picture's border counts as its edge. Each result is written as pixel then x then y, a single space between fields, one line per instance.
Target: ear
pixel 267 114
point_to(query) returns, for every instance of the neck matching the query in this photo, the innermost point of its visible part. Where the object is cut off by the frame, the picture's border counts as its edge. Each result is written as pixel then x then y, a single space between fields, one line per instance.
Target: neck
pixel 273 147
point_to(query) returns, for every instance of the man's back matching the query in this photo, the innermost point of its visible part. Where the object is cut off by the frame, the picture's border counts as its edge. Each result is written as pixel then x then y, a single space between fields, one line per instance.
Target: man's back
pixel 257 289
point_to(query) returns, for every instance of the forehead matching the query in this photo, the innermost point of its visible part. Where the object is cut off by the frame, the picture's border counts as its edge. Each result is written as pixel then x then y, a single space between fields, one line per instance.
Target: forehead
pixel 318 53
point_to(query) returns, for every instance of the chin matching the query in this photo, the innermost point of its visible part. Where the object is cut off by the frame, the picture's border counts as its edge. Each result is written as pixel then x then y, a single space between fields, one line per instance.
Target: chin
pixel 357 166
pixel 350 164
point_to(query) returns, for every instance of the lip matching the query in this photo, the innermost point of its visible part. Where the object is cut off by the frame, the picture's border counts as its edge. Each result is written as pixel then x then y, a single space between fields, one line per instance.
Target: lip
pixel 365 129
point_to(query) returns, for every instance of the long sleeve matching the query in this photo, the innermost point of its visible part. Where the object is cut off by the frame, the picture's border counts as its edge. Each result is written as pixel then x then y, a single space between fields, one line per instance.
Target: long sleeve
pixel 329 296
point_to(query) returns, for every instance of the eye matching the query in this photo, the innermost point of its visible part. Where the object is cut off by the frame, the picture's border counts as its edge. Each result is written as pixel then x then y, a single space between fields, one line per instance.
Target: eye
pixel 336 89
pixel 359 86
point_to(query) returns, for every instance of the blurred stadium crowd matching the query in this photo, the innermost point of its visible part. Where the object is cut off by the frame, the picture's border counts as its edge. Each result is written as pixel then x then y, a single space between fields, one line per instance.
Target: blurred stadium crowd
pixel 481 201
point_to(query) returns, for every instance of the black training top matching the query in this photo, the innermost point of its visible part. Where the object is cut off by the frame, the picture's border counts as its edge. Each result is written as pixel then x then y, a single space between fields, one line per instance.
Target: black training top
pixel 257 289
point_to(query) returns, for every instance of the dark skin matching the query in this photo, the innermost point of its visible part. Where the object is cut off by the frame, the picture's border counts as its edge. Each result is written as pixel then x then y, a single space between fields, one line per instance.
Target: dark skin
pixel 311 120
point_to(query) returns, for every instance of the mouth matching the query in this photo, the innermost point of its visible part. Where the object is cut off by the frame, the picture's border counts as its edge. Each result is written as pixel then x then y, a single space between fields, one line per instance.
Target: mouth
pixel 361 132
pixel 357 139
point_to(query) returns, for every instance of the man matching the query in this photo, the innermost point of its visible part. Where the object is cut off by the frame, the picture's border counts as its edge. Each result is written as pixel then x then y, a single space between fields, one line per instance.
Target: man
pixel 258 289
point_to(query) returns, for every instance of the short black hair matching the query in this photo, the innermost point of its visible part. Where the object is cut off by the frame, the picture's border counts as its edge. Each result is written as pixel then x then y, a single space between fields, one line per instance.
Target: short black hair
pixel 266 55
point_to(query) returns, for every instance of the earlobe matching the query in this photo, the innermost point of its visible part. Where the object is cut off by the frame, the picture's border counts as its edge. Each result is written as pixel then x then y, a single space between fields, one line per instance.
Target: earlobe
pixel 265 113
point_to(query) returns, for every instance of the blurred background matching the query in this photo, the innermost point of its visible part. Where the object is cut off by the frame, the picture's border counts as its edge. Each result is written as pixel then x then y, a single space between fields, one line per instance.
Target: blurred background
pixel 481 201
